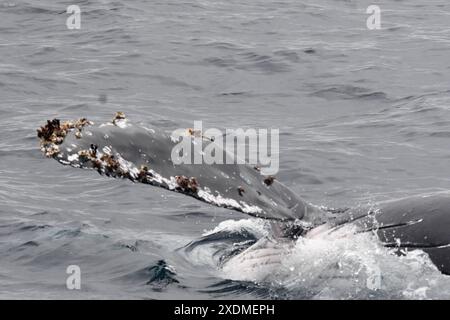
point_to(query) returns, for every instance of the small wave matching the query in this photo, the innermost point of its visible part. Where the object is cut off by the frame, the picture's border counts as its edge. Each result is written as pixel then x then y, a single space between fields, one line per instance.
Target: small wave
pixel 222 45
pixel 193 214
pixel 158 276
pixel 25 8
pixel 250 61
pixel 240 288
pixel 289 55
pixel 24 246
pixel 440 134
pixel 349 92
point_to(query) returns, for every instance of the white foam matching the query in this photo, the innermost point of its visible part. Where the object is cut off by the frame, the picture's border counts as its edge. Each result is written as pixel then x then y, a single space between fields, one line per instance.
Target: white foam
pixel 258 227
pixel 228 202
pixel 73 157
pixel 338 265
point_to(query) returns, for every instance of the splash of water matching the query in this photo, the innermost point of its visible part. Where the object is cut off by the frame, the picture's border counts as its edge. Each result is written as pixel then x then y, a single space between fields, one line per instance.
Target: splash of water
pixel 336 264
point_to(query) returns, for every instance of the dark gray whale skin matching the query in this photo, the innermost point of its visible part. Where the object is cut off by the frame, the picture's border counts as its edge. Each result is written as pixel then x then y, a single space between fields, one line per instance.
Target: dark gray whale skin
pixel 421 222
pixel 153 147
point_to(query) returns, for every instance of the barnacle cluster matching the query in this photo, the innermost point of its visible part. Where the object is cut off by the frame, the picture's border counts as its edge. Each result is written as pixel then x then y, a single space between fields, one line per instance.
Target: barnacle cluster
pixel 198 134
pixel 194 133
pixel 144 174
pixel 113 165
pixel 269 180
pixel 118 117
pixel 104 163
pixel 187 184
pixel 53 133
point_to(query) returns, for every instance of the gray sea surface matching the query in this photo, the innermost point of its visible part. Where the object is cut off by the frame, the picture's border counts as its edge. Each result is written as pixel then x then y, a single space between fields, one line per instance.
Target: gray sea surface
pixel 364 116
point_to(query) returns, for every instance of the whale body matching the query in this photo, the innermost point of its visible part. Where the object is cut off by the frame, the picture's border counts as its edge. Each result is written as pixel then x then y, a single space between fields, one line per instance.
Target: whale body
pixel 124 150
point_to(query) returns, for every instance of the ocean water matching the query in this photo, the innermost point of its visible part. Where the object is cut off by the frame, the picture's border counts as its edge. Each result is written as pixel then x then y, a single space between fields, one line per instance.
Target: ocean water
pixel 364 116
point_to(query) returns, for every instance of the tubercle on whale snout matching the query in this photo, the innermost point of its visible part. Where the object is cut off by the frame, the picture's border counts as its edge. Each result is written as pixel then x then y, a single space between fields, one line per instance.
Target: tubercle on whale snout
pixel 52 134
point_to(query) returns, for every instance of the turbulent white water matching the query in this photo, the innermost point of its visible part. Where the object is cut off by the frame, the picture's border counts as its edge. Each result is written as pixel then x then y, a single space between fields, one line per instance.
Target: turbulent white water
pixel 338 264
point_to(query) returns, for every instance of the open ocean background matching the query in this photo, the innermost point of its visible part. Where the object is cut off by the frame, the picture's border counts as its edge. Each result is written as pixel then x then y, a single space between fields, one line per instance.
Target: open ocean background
pixel 364 116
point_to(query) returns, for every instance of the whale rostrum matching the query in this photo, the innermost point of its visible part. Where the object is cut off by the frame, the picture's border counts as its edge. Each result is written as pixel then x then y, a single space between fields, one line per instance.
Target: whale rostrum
pixel 124 150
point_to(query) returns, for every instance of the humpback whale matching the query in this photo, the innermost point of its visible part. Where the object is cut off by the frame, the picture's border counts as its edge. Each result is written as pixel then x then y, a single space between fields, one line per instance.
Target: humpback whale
pixel 125 150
